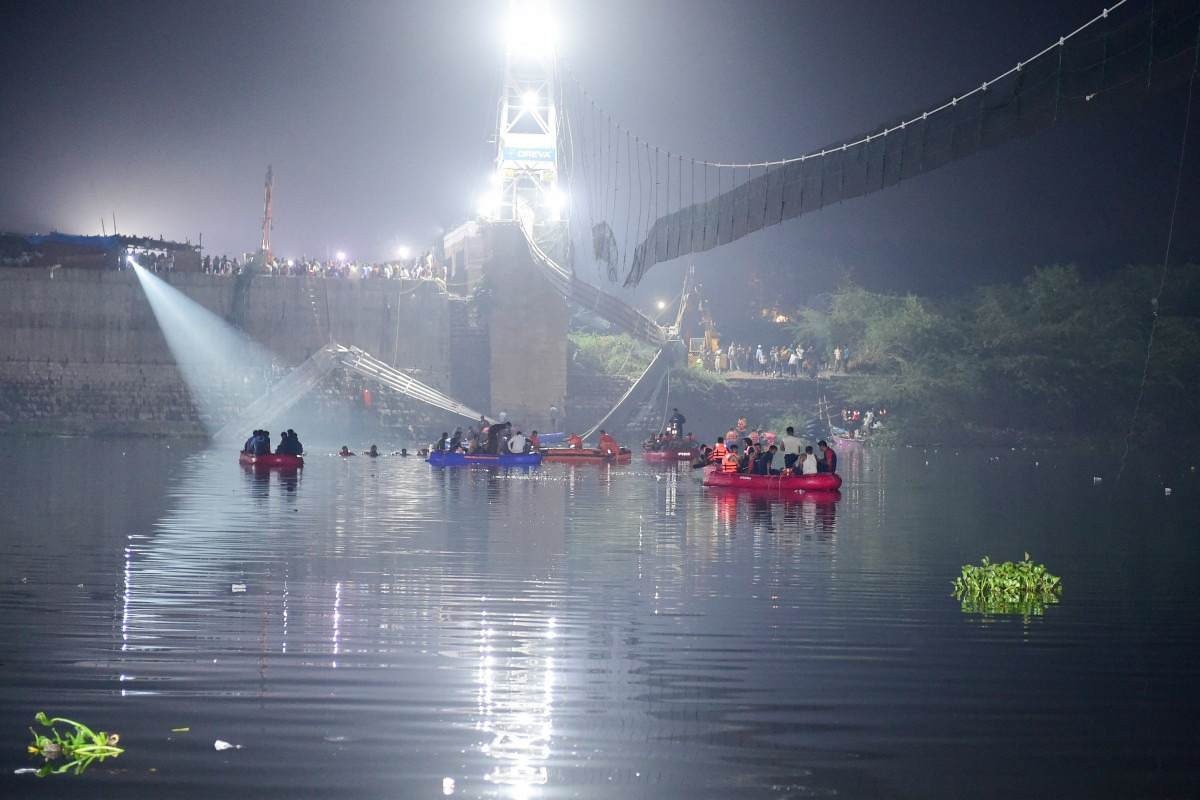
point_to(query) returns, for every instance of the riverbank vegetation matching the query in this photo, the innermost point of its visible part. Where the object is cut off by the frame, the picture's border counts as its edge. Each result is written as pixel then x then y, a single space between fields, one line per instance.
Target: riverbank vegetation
pixel 1021 587
pixel 616 355
pixel 1057 353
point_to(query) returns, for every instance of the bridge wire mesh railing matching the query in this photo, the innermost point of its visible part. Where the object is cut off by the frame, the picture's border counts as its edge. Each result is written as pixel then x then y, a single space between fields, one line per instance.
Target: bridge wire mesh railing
pixel 637 204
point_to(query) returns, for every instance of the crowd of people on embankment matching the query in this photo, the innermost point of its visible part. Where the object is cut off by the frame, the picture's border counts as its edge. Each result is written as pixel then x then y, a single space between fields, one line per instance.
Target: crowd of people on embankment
pixel 425 267
pixel 781 361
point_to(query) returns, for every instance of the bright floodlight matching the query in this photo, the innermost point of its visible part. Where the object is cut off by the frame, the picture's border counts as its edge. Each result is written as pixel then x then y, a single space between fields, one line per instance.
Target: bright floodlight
pixel 556 202
pixel 341 255
pixel 529 101
pixel 531 29
pixel 402 251
pixel 661 304
pixel 488 205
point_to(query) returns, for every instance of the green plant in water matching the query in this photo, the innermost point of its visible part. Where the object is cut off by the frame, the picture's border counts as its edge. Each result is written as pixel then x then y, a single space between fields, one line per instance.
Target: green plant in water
pixel 1023 588
pixel 77 747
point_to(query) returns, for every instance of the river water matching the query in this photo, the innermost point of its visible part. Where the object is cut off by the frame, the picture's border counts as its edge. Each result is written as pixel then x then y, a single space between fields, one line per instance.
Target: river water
pixel 381 629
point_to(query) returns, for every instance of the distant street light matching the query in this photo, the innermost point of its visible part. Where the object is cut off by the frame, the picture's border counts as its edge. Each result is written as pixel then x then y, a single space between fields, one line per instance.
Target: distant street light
pixel 403 252
pixel 341 255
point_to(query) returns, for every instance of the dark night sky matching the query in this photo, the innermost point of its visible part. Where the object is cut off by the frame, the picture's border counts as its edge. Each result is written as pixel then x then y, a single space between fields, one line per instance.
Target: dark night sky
pixel 376 117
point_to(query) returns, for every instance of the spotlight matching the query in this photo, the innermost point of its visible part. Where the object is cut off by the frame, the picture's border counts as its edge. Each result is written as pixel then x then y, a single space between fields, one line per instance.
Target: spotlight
pixel 662 304
pixel 531 29
pixel 402 251
pixel 341 255
pixel 488 205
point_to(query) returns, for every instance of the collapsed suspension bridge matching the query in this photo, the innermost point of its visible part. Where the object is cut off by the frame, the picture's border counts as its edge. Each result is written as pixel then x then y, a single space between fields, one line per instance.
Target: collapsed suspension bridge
pixel 633 204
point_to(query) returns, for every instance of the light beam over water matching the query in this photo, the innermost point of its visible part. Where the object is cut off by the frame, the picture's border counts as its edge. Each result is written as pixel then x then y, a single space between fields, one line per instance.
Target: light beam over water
pixel 223 367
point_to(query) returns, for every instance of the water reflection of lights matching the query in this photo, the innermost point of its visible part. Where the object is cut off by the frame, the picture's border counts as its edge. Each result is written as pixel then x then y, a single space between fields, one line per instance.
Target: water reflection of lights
pixel 337 621
pixel 515 700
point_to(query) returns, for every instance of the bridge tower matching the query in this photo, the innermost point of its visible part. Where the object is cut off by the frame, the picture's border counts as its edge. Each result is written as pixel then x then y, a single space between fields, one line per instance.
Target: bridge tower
pixel 527 319
pixel 526 187
pixel 268 188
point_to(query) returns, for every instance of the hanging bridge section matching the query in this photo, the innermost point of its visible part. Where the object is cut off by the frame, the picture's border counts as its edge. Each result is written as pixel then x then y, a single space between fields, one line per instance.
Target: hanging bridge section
pixel 644 398
pixel 315 369
pixel 638 204
pixel 620 314
pixel 645 391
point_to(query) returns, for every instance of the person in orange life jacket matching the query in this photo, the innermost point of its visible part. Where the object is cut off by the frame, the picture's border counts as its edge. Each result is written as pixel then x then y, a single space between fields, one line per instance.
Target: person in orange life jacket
pixel 608 444
pixel 575 441
pixel 730 462
pixel 534 444
pixel 718 452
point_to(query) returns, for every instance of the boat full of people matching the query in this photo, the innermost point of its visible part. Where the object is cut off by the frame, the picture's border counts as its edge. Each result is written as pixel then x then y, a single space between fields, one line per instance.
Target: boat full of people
pixel 670 447
pixel 766 461
pixel 492 444
pixel 256 452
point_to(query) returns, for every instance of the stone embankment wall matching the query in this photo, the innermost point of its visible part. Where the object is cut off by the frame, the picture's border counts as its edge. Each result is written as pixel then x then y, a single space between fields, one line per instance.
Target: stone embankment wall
pixel 81 350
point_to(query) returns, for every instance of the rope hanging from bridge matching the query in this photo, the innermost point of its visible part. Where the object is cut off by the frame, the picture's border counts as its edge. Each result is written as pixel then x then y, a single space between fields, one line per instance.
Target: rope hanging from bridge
pixel 643 204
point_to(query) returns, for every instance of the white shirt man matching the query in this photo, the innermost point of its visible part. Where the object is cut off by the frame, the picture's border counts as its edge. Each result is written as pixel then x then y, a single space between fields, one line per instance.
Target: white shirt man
pixel 517 443
pixel 809 467
pixel 791 446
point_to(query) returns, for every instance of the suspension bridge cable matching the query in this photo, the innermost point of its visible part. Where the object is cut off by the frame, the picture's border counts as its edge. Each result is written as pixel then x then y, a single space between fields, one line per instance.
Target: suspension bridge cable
pixel 1155 304
pixel 918 118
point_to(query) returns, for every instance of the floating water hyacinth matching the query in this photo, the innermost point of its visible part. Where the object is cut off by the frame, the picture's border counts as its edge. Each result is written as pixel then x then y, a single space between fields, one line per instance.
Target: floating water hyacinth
pixel 77 747
pixel 1023 588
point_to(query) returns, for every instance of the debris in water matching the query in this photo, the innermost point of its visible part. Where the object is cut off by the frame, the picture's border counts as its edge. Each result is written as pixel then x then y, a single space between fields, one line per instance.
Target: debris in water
pixel 181 730
pixel 1097 479
pixel 237 588
pixel 80 746
pixel 1167 491
pixel 447 786
pixel 221 744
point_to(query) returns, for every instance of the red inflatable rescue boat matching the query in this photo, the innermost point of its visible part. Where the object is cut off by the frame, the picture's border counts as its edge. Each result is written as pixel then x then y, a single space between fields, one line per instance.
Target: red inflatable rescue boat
pixel 821 482
pixel 585 455
pixel 271 460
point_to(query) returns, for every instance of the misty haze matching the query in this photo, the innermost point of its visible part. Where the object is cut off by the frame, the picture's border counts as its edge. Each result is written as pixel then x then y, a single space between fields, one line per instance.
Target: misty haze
pixel 547 398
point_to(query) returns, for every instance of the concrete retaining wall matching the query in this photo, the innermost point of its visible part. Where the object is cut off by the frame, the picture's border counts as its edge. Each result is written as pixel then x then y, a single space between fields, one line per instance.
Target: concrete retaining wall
pixel 81 350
